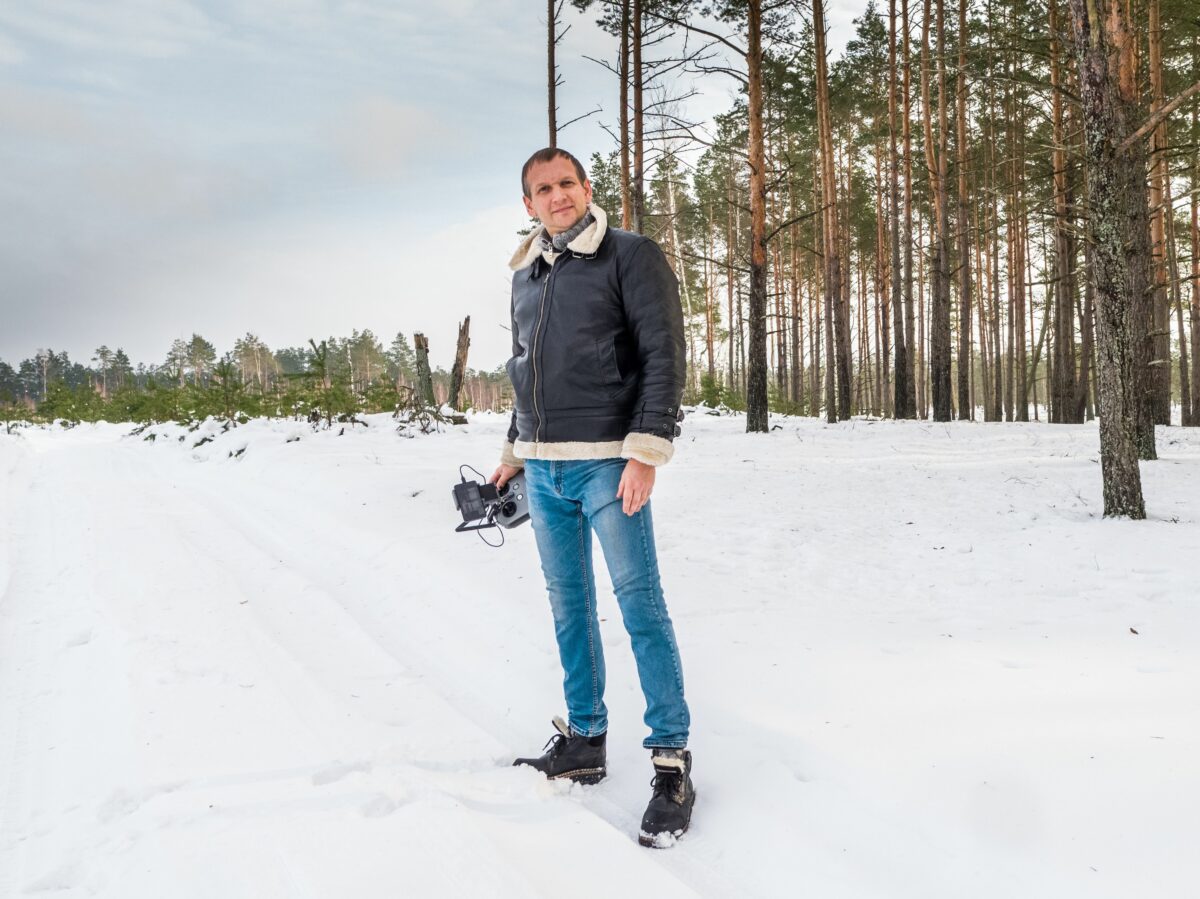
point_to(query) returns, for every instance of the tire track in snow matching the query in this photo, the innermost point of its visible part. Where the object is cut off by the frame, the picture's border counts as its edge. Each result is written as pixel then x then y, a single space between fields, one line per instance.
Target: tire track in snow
pixel 18 644
pixel 359 561
pixel 188 541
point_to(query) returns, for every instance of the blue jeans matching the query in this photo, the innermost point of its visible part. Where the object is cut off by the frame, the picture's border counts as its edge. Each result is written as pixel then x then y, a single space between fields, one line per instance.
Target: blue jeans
pixel 567 501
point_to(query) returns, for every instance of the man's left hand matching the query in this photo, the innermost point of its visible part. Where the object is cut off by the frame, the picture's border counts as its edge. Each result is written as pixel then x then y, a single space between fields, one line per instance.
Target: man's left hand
pixel 637 481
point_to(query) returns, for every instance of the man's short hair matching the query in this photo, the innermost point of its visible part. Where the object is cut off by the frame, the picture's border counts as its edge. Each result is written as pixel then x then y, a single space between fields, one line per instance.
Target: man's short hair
pixel 546 154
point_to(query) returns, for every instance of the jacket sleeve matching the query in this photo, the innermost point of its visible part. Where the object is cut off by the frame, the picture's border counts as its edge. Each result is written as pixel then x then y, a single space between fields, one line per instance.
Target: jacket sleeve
pixel 507 453
pixel 650 293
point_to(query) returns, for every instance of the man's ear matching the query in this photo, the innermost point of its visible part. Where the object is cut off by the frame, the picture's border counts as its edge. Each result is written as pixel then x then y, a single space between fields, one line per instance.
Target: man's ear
pixel 587 190
pixel 529 206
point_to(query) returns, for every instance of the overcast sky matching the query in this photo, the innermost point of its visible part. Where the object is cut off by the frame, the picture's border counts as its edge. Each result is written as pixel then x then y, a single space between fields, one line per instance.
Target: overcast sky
pixel 294 168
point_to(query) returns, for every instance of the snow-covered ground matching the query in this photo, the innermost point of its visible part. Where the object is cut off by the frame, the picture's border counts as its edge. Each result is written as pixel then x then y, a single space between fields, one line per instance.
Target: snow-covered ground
pixel 920 664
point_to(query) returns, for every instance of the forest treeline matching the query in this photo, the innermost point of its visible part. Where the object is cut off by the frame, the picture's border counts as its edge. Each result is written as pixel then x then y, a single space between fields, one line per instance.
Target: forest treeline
pixel 982 209
pixel 336 377
pixel 924 211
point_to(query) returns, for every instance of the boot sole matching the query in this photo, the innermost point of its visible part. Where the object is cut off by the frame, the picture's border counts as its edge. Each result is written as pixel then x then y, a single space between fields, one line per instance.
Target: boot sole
pixel 586 776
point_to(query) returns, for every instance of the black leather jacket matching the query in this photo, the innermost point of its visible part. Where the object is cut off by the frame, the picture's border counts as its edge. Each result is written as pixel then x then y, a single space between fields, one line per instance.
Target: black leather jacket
pixel 598 353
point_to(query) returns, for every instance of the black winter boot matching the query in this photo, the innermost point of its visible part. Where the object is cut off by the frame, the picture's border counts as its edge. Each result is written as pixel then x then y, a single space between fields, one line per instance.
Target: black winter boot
pixel 571 756
pixel 670 810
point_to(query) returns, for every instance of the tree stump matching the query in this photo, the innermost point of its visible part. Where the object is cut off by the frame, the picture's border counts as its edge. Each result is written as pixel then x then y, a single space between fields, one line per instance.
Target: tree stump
pixel 459 372
pixel 424 375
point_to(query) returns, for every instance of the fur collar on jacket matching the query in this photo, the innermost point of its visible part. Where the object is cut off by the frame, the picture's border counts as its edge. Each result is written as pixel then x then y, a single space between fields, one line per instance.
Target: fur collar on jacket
pixel 586 243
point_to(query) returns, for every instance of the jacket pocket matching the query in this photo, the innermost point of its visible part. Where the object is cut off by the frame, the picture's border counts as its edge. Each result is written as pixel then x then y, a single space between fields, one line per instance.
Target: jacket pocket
pixel 606 354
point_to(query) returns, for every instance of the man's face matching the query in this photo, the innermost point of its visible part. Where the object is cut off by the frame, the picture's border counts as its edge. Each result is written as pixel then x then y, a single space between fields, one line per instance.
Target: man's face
pixel 556 198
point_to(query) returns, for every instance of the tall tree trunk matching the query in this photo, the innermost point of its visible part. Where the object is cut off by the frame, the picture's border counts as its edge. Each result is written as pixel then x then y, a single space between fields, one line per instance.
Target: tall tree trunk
pixel 841 322
pixel 814 347
pixel 901 407
pixel 1118 208
pixel 1160 364
pixel 730 254
pixel 883 399
pixel 837 342
pixel 710 301
pixel 939 320
pixel 639 175
pixel 966 408
pixel 910 381
pixel 685 289
pixel 1185 388
pixel 626 205
pixel 756 381
pixel 1084 409
pixel 551 70
pixel 1063 405
pixel 922 331
pixel 1021 362
pixel 1195 204
pixel 797 392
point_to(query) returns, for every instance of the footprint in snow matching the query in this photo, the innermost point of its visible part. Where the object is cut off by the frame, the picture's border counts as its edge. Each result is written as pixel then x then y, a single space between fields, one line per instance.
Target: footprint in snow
pixel 64 877
pixel 380 806
pixel 336 771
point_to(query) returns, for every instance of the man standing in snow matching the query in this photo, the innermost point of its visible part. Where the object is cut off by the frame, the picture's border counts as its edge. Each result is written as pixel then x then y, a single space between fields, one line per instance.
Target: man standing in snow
pixel 597 372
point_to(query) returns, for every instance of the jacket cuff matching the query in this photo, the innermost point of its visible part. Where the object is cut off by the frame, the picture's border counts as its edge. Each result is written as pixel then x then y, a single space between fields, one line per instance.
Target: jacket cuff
pixel 647 448
pixel 508 457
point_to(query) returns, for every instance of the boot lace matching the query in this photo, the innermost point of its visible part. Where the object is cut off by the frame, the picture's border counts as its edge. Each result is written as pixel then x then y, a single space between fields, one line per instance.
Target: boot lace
pixel 555 745
pixel 668 784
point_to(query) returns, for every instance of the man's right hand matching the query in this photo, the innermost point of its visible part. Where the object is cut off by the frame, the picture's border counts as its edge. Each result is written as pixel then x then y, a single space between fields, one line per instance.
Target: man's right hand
pixel 501 475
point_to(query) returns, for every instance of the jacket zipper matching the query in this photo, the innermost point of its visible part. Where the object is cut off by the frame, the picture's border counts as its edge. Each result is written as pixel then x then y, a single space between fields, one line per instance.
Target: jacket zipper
pixel 537 433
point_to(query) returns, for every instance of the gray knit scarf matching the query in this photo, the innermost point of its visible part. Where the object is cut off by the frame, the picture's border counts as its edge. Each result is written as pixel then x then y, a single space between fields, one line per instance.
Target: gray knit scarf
pixel 558 243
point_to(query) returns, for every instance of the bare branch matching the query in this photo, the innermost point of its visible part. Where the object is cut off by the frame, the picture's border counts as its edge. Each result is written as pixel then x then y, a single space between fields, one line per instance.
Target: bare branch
pixel 578 118
pixel 1157 118
pixel 789 223
pixel 722 70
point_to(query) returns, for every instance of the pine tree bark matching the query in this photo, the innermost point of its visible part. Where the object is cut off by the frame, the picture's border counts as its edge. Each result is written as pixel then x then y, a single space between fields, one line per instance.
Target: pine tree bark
pixel 459 371
pixel 1119 234
pixel 638 191
pixel 837 329
pixel 1185 388
pixel 910 381
pixel 552 71
pixel 710 302
pixel 939 319
pixel 756 380
pixel 966 408
pixel 845 358
pixel 883 398
pixel 730 249
pixel 424 375
pixel 797 275
pixel 1160 364
pixel 1020 247
pixel 900 404
pixel 1195 204
pixel 626 204
pixel 1062 395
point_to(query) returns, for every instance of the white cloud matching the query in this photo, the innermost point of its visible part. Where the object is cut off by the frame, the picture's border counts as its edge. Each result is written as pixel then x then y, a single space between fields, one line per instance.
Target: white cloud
pixel 147 28
pixel 289 281
pixel 377 136
pixel 10 53
pixel 44 115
